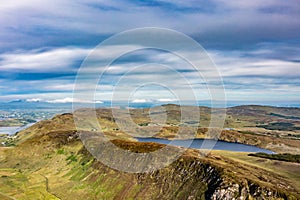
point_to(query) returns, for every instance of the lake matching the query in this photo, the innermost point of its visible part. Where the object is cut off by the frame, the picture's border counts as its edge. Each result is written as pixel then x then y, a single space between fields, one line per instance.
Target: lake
pixel 13 129
pixel 207 144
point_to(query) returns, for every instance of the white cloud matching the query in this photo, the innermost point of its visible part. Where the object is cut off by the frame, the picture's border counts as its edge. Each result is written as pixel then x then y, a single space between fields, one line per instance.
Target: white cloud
pixel 72 100
pixel 233 64
pixel 34 100
pixel 64 100
pixel 153 100
pixel 54 60
pixel 57 85
pixel 142 101
pixel 244 72
pixel 167 100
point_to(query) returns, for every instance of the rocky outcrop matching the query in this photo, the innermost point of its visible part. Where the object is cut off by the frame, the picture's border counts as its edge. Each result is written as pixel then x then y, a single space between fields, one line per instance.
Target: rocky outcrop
pixel 191 177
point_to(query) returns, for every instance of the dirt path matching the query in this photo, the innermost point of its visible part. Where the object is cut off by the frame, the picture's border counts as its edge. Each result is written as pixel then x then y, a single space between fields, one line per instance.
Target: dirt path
pixel 47 186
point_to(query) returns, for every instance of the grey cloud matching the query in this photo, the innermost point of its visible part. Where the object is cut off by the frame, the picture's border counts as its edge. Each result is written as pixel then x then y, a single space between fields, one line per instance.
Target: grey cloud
pixel 233 21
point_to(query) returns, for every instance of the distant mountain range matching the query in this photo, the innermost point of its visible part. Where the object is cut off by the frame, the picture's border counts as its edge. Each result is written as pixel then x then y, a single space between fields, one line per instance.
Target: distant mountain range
pixel 39 104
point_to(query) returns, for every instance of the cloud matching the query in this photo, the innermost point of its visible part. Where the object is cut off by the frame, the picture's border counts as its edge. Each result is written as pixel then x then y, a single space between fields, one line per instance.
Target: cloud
pixel 141 101
pixel 72 100
pixel 98 101
pixel 258 63
pixel 167 100
pixel 255 45
pixel 153 100
pixel 34 100
pixel 257 69
pixel 53 60
pixel 28 24
pixel 64 100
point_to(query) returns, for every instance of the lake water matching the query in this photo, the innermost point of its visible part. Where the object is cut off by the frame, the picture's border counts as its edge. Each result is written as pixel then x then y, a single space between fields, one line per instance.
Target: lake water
pixel 13 129
pixel 208 144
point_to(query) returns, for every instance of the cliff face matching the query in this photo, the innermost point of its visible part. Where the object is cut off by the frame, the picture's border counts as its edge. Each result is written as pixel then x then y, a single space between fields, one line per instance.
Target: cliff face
pixel 195 178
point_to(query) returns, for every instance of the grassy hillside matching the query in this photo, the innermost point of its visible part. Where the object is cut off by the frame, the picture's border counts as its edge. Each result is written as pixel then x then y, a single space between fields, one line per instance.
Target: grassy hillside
pixel 49 160
pixel 282 157
pixel 48 168
pixel 165 122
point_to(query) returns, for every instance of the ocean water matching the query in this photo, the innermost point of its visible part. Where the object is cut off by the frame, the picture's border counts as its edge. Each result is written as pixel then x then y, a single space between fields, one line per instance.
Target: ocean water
pixel 13 129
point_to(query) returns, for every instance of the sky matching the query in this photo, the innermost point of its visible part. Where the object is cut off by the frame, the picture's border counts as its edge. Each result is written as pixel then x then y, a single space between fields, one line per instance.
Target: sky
pixel 254 44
